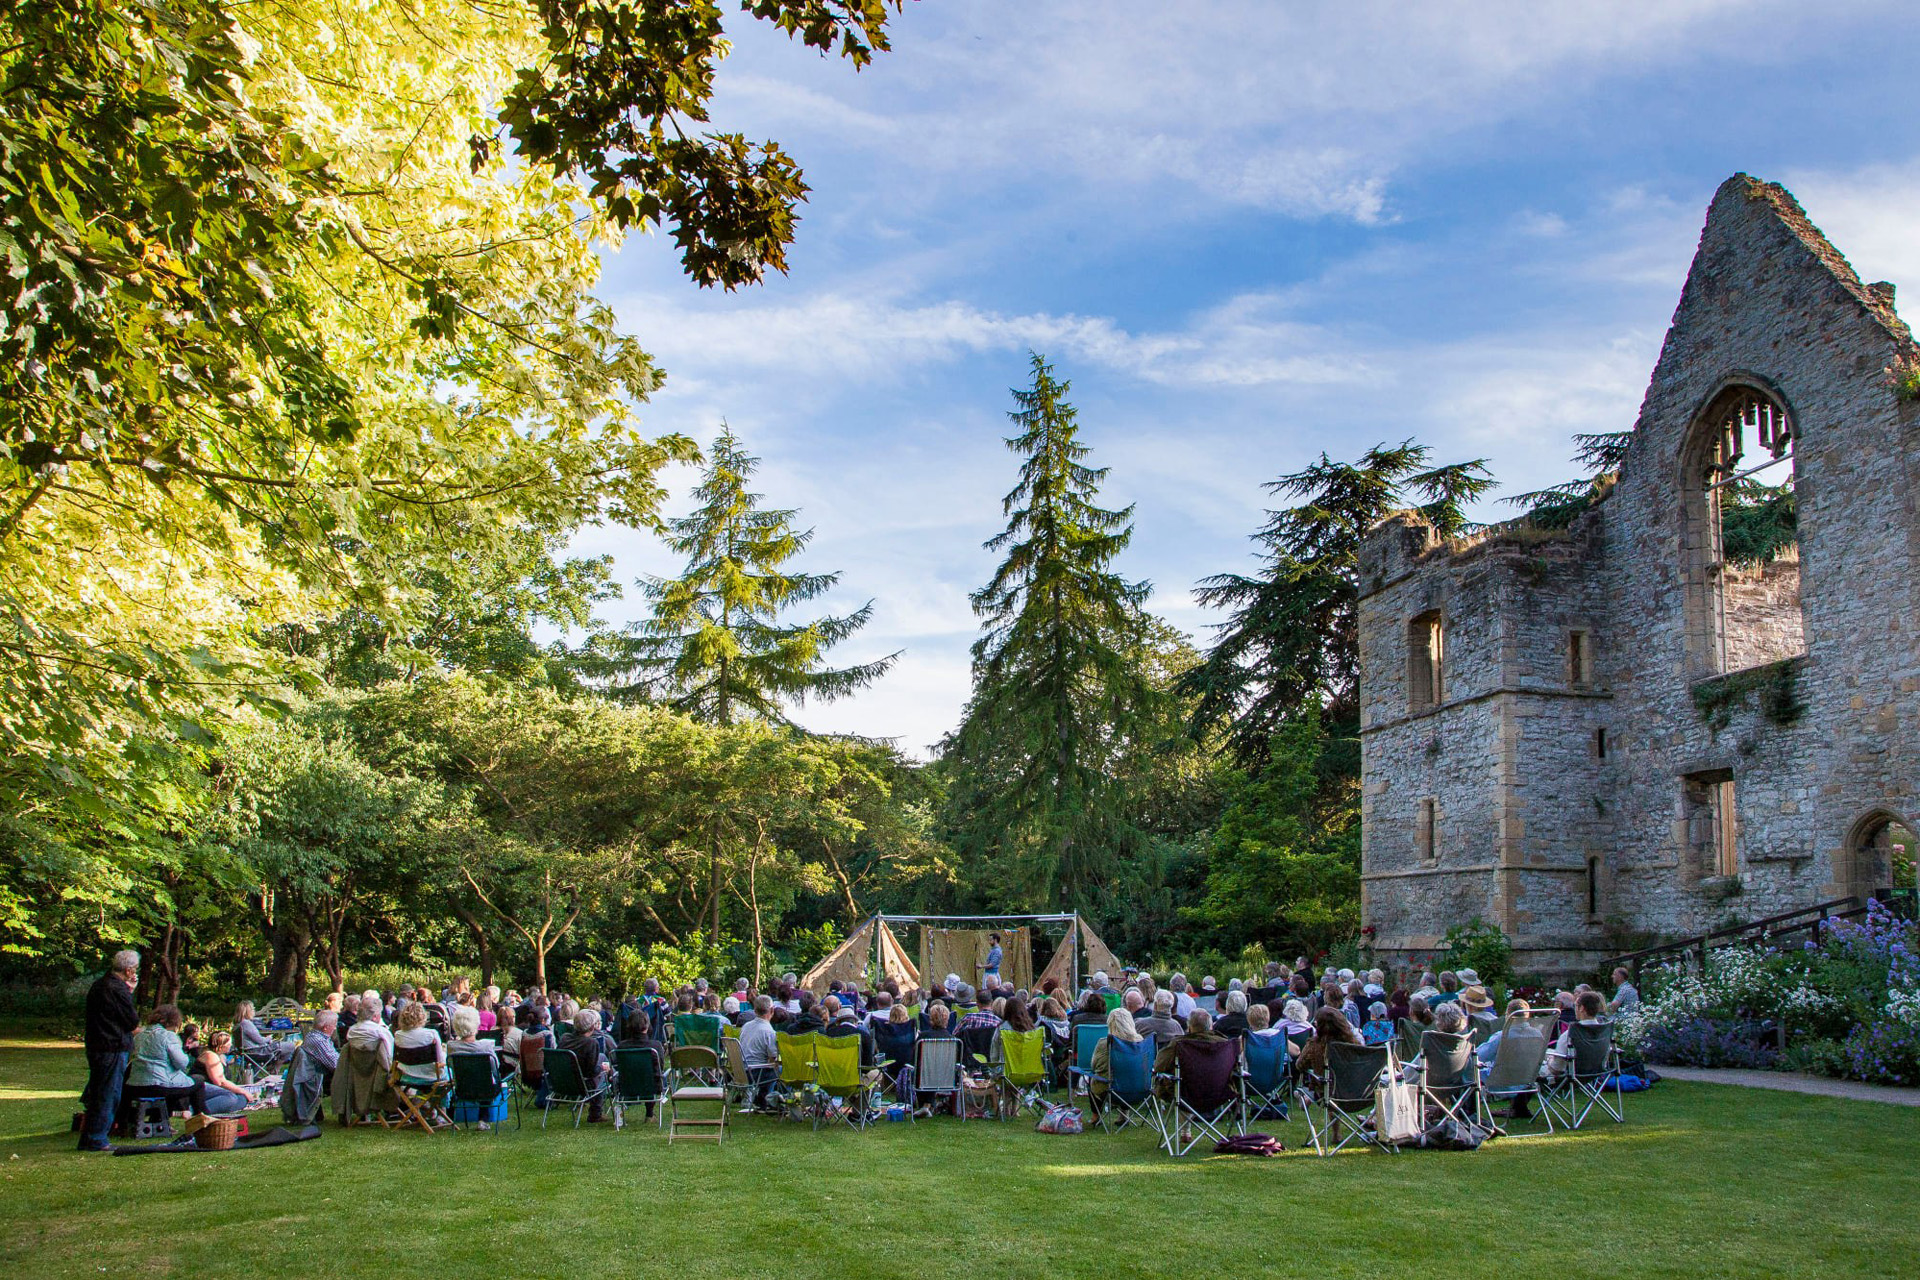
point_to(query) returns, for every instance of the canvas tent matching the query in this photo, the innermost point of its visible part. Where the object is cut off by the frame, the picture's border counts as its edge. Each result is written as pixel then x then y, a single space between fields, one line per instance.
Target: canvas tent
pixel 958 944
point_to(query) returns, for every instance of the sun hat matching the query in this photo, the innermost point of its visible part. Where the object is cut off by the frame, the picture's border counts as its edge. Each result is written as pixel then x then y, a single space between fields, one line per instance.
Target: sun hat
pixel 1468 977
pixel 1476 998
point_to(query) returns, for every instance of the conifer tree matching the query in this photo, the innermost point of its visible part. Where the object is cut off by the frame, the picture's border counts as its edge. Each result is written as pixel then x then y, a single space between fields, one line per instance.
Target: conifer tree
pixel 1290 642
pixel 715 647
pixel 1057 700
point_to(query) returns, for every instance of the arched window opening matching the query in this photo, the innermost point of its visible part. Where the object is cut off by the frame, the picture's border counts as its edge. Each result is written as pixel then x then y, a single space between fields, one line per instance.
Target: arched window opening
pixel 1879 857
pixel 1742 535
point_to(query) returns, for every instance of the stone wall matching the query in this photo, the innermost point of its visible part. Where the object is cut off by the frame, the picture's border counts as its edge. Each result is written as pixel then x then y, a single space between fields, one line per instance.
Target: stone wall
pixel 1539 831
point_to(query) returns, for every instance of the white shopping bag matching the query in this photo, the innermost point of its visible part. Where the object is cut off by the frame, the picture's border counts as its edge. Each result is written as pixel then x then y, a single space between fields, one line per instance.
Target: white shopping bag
pixel 1396 1114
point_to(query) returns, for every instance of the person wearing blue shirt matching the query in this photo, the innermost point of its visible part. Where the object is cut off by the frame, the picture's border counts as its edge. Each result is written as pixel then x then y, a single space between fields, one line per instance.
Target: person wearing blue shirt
pixel 990 971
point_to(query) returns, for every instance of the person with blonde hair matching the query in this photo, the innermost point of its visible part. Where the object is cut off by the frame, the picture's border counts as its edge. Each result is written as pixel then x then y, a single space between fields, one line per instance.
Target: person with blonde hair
pixel 411 1032
pixel 1119 1027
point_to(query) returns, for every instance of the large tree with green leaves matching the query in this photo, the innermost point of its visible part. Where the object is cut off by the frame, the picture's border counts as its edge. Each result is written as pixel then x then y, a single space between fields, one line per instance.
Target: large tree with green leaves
pixel 1058 697
pixel 1290 643
pixel 290 333
pixel 719 646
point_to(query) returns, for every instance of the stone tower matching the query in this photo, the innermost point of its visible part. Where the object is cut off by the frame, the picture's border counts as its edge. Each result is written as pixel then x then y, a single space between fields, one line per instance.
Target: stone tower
pixel 1617 727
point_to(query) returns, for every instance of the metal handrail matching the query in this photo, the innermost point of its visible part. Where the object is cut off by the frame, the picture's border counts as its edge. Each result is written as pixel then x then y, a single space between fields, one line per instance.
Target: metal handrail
pixel 1810 917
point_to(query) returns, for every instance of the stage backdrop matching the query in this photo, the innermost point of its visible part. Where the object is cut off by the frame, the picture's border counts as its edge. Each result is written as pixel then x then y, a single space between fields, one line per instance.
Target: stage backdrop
pixel 945 951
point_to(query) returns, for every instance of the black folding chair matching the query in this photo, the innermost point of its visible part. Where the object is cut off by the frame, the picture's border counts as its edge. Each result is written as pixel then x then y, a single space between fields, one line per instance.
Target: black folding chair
pixel 1344 1094
pixel 1449 1076
pixel 1206 1100
pixel 1583 1083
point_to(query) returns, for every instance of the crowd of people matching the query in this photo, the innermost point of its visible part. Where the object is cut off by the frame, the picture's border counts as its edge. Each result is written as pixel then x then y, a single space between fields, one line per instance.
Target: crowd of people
pixel 413 1031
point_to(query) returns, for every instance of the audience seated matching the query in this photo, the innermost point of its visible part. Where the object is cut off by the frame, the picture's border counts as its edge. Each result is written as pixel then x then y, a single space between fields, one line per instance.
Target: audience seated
pixel 1329 1026
pixel 1120 1026
pixel 248 1037
pixel 209 1066
pixel 1160 1024
pixel 589 1048
pixel 157 1066
pixel 417 1049
pixel 1378 1028
pixel 1590 1010
pixel 843 1021
pixel 1233 1021
pixel 1199 1028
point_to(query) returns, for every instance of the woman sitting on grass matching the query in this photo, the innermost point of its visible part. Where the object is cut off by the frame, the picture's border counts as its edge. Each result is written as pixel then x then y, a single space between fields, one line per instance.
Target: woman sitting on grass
pixel 224 1097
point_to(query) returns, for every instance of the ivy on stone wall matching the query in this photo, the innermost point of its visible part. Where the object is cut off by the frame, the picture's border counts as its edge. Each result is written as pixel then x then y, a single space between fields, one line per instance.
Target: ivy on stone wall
pixel 1776 685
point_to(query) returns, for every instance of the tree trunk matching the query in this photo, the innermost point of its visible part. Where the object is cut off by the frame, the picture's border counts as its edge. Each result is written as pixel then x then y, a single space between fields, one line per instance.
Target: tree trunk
pixel 482 945
pixel 753 900
pixel 167 959
pixel 292 946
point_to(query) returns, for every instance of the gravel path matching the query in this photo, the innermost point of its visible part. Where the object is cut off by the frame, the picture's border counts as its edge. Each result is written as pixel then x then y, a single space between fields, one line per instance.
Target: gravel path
pixel 1793 1082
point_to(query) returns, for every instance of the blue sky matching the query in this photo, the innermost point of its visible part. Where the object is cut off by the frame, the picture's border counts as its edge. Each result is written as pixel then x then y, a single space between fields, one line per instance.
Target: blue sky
pixel 1246 233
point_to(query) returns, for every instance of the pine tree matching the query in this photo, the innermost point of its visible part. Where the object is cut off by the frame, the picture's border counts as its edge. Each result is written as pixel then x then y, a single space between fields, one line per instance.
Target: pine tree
pixel 715 647
pixel 1034 797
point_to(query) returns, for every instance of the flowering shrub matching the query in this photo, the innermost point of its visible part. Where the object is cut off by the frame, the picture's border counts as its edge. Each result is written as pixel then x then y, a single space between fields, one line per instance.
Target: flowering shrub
pixel 1885 1052
pixel 1851 1003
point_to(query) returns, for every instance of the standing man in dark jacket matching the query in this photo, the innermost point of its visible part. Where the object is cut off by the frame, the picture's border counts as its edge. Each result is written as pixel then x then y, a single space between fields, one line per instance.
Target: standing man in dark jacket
pixel 111 1019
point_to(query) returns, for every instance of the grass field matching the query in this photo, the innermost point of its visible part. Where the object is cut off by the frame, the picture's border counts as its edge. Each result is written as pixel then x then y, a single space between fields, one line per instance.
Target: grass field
pixel 1701 1181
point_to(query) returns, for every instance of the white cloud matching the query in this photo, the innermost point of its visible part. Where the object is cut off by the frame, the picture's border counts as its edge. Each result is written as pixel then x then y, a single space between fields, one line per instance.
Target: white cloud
pixel 1872 215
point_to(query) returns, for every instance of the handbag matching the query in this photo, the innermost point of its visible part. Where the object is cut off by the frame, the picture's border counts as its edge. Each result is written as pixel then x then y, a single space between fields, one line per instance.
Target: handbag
pixel 1396 1112
pixel 1061 1118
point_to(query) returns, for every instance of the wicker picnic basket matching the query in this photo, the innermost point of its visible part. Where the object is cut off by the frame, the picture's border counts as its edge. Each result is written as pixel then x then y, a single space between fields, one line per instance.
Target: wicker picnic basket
pixel 219 1135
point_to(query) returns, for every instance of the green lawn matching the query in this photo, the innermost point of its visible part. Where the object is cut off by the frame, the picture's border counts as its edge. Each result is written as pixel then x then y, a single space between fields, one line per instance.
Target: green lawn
pixel 1701 1181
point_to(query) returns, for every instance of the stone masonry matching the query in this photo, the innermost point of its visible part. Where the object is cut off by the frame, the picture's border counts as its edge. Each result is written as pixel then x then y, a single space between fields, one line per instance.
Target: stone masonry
pixel 1631 737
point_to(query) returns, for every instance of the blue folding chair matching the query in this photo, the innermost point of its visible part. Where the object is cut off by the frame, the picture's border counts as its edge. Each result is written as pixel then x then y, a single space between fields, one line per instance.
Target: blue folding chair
pixel 1267 1075
pixel 1129 1081
pixel 1086 1038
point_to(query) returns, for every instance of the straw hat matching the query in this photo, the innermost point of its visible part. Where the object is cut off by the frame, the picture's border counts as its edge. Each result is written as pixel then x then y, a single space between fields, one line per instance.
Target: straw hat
pixel 1476 998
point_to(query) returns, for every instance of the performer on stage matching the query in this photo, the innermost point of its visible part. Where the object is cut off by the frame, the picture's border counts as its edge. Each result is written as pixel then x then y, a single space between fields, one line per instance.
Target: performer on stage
pixel 990 970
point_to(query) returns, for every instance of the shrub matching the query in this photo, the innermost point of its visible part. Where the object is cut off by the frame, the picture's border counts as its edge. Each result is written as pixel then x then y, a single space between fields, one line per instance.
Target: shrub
pixel 1884 1052
pixel 1816 1058
pixel 1483 948
pixel 1711 1042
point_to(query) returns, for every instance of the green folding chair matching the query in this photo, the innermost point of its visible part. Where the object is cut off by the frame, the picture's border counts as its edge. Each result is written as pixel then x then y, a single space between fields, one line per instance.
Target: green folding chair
pixel 843 1093
pixel 638 1082
pixel 479 1094
pixel 798 1072
pixel 703 1030
pixel 1023 1070
pixel 566 1087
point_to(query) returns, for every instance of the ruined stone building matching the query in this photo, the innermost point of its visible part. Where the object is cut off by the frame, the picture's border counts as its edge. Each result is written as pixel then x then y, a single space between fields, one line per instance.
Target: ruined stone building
pixel 1615 727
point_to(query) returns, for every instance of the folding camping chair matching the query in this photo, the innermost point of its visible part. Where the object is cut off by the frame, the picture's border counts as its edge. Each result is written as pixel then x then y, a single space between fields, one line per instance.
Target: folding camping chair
pixel 480 1096
pixel 797 1073
pixel 739 1082
pixel 1129 1080
pixel 422 1102
pixel 368 1098
pixel 1449 1077
pixel 699 1031
pixel 637 1081
pixel 567 1087
pixel 1593 1066
pixel 893 1050
pixel 1023 1070
pixel 844 1093
pixel 1086 1038
pixel 1407 1039
pixel 1517 1063
pixel 1206 1099
pixel 1345 1096
pixel 692 1064
pixel 1266 1074
pixel 936 1071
